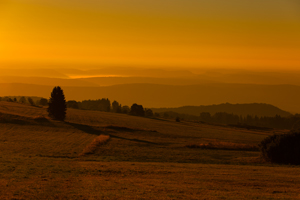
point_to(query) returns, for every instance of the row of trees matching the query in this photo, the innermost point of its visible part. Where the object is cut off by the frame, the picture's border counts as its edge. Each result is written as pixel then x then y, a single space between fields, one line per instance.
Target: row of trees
pixel 39 102
pixel 291 122
pixel 106 106
pixel 57 103
pixel 58 106
pixel 273 122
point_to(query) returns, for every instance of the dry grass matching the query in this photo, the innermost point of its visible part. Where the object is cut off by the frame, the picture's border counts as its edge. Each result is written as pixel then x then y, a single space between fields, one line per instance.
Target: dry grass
pixel 126 129
pixel 40 118
pixel 40 160
pixel 98 141
pixel 225 146
pixel 57 178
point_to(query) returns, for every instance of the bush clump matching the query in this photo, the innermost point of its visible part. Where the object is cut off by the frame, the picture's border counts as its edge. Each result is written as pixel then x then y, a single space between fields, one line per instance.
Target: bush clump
pixel 283 149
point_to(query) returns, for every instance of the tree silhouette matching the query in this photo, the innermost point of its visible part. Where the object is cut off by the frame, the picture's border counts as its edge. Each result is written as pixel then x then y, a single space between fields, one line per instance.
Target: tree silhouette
pixel 148 112
pixel 57 104
pixel 137 110
pixel 125 109
pixel 22 100
pixel 72 104
pixel 30 100
pixel 43 102
pixel 100 104
pixel 116 107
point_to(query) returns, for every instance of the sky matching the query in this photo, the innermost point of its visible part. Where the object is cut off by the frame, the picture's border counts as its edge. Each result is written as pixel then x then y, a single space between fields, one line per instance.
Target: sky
pixel 249 34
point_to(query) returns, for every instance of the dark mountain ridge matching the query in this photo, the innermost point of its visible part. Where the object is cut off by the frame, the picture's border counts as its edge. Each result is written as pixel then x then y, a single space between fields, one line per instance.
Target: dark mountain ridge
pixel 286 97
pixel 253 109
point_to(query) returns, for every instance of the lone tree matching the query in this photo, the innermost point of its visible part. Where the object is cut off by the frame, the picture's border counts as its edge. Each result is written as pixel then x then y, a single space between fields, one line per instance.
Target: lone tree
pixel 57 104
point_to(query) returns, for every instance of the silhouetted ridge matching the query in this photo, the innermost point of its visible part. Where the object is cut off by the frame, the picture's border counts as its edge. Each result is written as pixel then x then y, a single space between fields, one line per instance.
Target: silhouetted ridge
pixel 286 97
pixel 258 109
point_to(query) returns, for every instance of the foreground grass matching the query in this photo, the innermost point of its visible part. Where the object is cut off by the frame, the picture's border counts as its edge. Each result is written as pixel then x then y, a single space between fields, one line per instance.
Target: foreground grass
pixel 96 155
pixel 97 142
pixel 49 178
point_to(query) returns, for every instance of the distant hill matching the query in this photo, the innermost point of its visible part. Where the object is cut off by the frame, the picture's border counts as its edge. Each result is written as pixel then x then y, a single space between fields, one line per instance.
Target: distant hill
pixel 48 81
pixel 286 97
pixel 109 81
pixel 129 71
pixel 259 109
pixel 37 72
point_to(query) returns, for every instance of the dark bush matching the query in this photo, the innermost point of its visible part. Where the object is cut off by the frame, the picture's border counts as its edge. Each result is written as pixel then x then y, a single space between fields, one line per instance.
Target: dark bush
pixel 125 109
pixel 9 100
pixel 99 104
pixel 137 110
pixel 30 100
pixel 148 112
pixel 283 149
pixel 22 100
pixel 43 102
pixel 156 114
pixel 116 107
pixel 72 104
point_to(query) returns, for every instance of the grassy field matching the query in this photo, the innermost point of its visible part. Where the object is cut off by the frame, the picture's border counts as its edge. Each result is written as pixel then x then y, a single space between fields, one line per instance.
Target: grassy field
pixel 99 155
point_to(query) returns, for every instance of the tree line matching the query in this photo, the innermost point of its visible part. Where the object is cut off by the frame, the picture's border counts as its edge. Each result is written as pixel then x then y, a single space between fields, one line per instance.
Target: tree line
pixel 291 122
pixel 34 101
pixel 105 105
pixel 58 104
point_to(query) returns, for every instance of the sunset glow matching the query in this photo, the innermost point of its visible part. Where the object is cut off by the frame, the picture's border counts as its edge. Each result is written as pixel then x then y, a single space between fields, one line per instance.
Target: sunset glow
pixel 175 33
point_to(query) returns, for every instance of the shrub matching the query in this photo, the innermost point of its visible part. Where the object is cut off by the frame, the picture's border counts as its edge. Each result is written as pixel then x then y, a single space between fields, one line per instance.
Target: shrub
pixel 22 100
pixel 30 100
pixel 148 112
pixel 137 110
pixel 72 104
pixel 283 149
pixel 116 107
pixel 43 102
pixel 9 99
pixel 125 109
pixel 156 114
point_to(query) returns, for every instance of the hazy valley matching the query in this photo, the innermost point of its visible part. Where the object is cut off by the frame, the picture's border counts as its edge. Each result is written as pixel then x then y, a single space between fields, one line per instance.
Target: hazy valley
pixel 161 88
pixel 107 155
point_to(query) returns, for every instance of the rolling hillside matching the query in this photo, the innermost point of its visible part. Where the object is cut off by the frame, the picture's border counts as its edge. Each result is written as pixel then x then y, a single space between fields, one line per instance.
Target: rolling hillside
pixel 143 158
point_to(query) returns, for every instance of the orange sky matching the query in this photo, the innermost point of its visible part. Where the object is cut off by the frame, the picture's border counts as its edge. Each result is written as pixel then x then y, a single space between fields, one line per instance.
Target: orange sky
pixel 262 34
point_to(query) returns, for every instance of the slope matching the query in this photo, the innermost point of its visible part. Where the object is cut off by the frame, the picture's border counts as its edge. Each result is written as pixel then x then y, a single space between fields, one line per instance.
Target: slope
pixel 145 158
pixel 27 131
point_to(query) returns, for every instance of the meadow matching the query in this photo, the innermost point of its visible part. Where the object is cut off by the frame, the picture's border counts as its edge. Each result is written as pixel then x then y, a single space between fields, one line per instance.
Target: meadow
pixel 101 155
